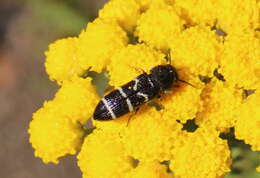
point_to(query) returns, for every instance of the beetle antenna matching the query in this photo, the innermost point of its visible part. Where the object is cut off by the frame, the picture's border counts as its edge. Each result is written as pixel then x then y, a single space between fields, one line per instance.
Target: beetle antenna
pixel 85 75
pixel 183 81
pixel 88 69
pixel 142 71
pixel 168 56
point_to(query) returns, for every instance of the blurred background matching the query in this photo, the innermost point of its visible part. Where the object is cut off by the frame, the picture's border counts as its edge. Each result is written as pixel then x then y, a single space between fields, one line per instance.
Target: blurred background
pixel 26 29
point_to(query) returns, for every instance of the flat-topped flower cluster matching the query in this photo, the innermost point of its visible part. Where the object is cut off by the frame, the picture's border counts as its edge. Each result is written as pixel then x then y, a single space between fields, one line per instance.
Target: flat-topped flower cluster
pixel 213 44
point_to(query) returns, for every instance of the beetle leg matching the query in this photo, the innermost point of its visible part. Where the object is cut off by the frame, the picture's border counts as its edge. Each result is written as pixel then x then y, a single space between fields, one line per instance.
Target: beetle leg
pixel 128 121
pixel 139 70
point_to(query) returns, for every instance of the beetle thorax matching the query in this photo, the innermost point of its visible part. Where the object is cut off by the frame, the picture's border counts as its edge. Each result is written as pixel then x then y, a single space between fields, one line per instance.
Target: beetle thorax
pixel 165 75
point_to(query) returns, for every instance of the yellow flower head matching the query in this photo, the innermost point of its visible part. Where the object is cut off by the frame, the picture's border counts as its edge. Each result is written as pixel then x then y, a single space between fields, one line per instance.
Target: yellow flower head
pixel 237 15
pixel 214 47
pixel 149 137
pixel 125 13
pixel 158 25
pixel 248 123
pixel 240 60
pixel 61 60
pixel 195 52
pixel 217 110
pixel 77 99
pixel 181 103
pixel 201 154
pixel 102 155
pixel 53 135
pixel 98 43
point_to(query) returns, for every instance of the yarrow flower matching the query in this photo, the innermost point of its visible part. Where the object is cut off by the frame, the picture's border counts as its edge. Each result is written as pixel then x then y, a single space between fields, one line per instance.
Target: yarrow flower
pixel 214 46
pixel 212 163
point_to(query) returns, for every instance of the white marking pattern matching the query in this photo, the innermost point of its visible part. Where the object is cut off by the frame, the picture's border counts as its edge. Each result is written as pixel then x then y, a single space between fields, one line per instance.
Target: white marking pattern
pixel 143 95
pixel 108 108
pixel 150 82
pixel 136 83
pixel 139 93
pixel 129 104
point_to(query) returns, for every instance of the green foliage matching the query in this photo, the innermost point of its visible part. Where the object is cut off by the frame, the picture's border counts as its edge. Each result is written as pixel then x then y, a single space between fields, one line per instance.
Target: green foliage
pixel 57 16
pixel 244 160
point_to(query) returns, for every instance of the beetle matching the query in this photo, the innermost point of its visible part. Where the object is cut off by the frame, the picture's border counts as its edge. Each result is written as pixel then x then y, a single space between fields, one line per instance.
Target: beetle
pixel 135 93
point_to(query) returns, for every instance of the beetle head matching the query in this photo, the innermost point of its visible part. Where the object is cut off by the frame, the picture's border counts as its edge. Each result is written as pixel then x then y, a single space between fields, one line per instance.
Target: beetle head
pixel 165 75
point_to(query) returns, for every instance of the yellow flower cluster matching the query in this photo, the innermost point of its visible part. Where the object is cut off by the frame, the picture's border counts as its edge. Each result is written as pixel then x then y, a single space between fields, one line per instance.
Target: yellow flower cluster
pixel 201 154
pixel 248 122
pixel 158 25
pixel 61 62
pixel 198 47
pixel 244 48
pixel 213 44
pixel 53 135
pixel 103 155
pixel 216 105
pixel 57 128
